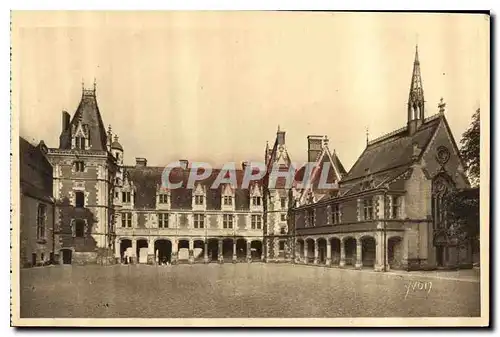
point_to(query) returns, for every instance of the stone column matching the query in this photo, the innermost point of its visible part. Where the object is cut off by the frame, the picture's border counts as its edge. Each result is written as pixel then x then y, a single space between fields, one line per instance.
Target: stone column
pixel 305 252
pixel 316 252
pixel 151 252
pixel 342 253
pixel 249 251
pixel 359 248
pixel 328 253
pixel 220 255
pixel 205 251
pixel 191 252
pixel 117 252
pixel 235 255
pixel 379 252
pixel 133 258
pixel 175 248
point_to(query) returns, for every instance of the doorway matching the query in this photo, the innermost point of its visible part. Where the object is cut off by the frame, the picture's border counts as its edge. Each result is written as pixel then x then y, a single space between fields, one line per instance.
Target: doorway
pixel 66 255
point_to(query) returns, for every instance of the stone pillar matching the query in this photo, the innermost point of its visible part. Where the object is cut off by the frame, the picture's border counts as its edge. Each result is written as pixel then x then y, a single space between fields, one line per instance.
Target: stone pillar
pixel 175 248
pixel 133 258
pixel 117 252
pixel 235 255
pixel 328 253
pixel 359 248
pixel 205 251
pixel 305 252
pixel 249 251
pixel 379 252
pixel 342 253
pixel 316 252
pixel 151 252
pixel 220 255
pixel 191 252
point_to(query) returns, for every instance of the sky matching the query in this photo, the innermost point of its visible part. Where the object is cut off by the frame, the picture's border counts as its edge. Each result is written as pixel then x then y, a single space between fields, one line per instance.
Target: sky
pixel 214 86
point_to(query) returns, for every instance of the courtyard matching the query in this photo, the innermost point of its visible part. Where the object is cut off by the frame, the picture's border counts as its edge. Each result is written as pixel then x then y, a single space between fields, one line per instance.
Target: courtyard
pixel 243 290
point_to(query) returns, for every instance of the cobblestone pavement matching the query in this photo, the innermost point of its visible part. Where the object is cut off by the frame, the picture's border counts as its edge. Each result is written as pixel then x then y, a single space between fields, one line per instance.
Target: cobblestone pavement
pixel 239 290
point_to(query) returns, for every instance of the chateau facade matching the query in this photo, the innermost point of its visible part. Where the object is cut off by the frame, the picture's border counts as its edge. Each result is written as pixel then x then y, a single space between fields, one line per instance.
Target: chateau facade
pixel 385 212
pixel 388 212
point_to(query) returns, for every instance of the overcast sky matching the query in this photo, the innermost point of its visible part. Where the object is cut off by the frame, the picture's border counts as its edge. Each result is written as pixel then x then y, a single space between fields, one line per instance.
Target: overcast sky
pixel 208 86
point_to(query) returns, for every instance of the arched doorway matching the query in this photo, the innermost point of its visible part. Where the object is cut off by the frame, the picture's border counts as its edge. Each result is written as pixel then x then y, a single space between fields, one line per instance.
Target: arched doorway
pixel 163 251
pixel 183 250
pixel 395 252
pixel 66 256
pixel 321 250
pixel 142 251
pixel 350 251
pixel 256 250
pixel 335 247
pixel 198 250
pixel 125 244
pixel 299 249
pixel 241 249
pixel 368 251
pixel 227 249
pixel 310 250
pixel 213 250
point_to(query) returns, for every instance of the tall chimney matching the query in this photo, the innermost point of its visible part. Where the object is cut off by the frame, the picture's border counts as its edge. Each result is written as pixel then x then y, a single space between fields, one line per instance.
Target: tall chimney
pixel 314 147
pixel 142 162
pixel 65 120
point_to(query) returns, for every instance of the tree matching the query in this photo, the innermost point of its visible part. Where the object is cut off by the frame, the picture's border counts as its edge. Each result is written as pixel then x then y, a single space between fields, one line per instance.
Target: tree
pixel 470 149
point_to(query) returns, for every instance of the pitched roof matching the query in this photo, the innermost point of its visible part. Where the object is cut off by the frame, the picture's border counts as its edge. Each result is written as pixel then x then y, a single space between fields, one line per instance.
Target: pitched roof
pixel 35 171
pixel 89 115
pixel 148 179
pixel 393 150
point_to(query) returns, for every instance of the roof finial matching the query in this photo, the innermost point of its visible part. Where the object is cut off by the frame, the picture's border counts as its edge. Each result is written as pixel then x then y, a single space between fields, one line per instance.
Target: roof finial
pixel 95 83
pixel 116 138
pixel 367 135
pixel 109 129
pixel 441 105
pixel 278 128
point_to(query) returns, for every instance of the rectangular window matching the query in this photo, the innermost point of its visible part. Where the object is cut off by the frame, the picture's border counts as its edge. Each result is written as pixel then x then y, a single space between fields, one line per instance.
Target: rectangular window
pixel 79 166
pixel 198 200
pixel 199 221
pixel 282 245
pixel 283 216
pixel 162 220
pixel 40 221
pixel 256 201
pixel 79 228
pixel 395 207
pixel 228 200
pixel 335 214
pixel 125 197
pixel 311 218
pixel 79 199
pixel 256 222
pixel 227 221
pixel 283 203
pixel 368 209
pixel 163 198
pixel 283 230
pixel 127 219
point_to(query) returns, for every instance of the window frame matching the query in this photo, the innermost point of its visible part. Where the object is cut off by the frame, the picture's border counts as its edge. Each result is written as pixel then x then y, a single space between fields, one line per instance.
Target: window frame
pixel 256 221
pixel 82 194
pixel 41 221
pixel 368 209
pixel 163 221
pixel 198 220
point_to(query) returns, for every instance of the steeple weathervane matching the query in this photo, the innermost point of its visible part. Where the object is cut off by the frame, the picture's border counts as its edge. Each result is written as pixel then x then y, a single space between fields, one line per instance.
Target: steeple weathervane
pixel 441 105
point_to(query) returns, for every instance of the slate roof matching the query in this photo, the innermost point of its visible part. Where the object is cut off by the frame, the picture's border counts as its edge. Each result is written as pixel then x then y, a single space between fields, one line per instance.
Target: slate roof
pixel 88 113
pixel 147 179
pixel 35 171
pixel 392 151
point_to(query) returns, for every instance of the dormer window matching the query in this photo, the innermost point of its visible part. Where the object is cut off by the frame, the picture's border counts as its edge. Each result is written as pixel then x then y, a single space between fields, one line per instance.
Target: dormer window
pixel 80 143
pixel 198 199
pixel 335 214
pixel 163 198
pixel 368 208
pixel 228 200
pixel 125 197
pixel 311 218
pixel 256 201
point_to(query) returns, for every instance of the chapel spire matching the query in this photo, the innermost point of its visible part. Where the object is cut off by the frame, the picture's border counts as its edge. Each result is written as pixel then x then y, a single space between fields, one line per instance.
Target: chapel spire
pixel 416 96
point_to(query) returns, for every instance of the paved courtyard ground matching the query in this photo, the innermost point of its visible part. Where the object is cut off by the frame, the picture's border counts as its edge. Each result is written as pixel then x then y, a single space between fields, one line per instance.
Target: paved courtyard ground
pixel 242 290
